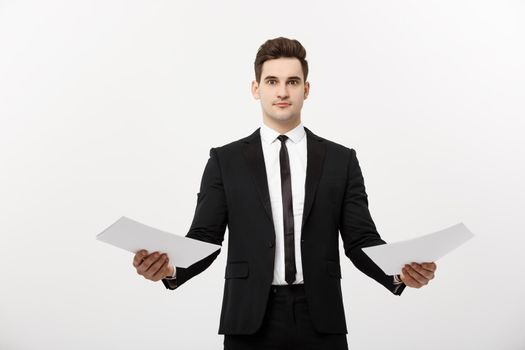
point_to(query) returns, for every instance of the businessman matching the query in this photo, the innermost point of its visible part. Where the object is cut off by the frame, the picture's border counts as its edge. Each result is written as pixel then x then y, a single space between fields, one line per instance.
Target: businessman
pixel 285 195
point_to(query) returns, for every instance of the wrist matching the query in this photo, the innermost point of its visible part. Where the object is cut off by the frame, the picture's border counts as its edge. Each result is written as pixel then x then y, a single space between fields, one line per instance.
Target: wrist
pixel 398 280
pixel 171 273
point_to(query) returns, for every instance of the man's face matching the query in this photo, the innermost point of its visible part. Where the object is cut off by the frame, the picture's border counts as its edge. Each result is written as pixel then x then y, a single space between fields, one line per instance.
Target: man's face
pixel 282 90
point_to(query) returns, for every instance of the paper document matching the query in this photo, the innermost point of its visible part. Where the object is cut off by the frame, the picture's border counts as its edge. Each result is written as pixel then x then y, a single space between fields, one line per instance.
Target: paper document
pixel 134 236
pixel 391 258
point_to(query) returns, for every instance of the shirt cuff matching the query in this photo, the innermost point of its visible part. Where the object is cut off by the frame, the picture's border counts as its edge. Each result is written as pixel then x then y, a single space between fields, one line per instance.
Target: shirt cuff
pixel 397 280
pixel 174 277
pixel 399 285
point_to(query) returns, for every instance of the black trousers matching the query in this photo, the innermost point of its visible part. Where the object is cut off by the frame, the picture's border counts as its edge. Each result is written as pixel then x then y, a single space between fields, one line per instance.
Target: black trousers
pixel 286 326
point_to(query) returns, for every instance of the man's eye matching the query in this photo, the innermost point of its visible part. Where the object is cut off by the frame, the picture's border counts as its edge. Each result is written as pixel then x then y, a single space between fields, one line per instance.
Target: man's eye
pixel 293 81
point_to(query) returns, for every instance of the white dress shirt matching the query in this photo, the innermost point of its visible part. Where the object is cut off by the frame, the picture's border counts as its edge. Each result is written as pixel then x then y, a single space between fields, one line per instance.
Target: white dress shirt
pixel 297 152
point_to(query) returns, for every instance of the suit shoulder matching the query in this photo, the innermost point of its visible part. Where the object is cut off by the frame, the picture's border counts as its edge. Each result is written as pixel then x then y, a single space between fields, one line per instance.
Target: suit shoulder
pixel 337 147
pixel 230 147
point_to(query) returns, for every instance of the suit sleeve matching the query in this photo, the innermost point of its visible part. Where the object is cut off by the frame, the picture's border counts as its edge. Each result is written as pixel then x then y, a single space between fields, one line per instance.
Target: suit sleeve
pixel 358 229
pixel 209 221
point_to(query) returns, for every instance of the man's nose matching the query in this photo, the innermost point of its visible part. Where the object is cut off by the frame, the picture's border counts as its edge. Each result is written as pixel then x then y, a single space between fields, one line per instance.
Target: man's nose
pixel 282 92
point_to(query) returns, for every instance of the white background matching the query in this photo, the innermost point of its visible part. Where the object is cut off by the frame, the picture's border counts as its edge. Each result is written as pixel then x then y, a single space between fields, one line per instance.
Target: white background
pixel 109 108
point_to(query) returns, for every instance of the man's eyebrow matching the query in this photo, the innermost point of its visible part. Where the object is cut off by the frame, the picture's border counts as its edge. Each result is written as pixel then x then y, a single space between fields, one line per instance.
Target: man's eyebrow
pixel 275 78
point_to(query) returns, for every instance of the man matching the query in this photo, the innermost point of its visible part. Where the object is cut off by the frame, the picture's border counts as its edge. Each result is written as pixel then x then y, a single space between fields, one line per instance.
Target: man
pixel 285 195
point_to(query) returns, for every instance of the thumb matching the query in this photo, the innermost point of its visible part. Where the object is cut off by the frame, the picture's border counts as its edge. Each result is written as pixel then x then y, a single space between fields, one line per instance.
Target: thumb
pixel 171 270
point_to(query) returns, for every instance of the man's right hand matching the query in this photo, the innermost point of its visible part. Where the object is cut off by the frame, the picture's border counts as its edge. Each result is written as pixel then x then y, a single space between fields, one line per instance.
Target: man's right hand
pixel 154 266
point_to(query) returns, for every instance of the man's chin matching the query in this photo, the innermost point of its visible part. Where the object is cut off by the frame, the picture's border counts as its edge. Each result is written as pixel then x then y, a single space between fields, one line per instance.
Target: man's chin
pixel 283 118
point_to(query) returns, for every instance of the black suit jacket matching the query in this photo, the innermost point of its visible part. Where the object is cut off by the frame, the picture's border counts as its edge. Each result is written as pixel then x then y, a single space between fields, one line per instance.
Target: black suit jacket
pixel 234 193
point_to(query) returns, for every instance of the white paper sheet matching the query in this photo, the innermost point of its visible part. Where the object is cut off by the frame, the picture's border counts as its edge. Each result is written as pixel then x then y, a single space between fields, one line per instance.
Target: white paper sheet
pixel 392 257
pixel 134 236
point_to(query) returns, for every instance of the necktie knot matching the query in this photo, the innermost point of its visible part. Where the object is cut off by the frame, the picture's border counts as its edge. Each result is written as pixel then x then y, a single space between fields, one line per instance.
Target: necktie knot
pixel 282 138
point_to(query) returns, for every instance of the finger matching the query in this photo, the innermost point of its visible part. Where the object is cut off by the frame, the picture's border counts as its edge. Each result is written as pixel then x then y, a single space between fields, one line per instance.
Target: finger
pixel 430 266
pixel 163 271
pixel 409 280
pixel 139 256
pixel 147 262
pixel 155 267
pixel 416 275
pixel 424 272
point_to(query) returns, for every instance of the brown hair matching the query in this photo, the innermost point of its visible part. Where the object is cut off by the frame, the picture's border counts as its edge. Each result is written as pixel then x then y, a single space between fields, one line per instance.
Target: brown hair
pixel 280 47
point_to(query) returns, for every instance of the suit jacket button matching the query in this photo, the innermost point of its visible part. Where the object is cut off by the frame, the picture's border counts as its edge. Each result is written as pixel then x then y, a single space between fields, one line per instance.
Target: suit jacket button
pixel 270 244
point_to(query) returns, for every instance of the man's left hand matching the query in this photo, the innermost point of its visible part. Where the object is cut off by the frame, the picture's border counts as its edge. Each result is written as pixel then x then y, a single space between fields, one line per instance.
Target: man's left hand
pixel 418 275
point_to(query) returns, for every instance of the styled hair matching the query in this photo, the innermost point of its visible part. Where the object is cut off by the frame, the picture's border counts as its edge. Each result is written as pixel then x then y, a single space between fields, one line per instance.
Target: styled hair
pixel 276 48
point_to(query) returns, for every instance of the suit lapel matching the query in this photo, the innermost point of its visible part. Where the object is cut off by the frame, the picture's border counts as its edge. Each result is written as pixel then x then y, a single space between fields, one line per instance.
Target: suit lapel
pixel 255 159
pixel 316 149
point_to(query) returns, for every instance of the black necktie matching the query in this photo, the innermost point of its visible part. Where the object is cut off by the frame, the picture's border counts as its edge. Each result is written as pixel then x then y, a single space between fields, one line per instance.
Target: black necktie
pixel 286 189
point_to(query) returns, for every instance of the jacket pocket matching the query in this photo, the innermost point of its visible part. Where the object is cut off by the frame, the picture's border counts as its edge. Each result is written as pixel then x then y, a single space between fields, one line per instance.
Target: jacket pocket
pixel 237 269
pixel 333 268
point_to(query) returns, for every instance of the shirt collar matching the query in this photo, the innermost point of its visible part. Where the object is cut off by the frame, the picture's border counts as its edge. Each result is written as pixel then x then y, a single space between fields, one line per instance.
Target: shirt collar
pixel 269 135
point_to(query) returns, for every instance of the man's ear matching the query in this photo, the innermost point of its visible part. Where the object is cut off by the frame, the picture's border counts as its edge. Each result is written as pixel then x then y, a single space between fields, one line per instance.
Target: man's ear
pixel 306 89
pixel 255 90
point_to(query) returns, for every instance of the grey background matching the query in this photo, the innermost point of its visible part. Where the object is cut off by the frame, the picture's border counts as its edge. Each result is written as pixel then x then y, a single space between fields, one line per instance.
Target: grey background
pixel 109 108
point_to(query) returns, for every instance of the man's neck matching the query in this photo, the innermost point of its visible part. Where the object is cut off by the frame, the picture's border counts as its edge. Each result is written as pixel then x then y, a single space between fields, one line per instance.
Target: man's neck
pixel 281 128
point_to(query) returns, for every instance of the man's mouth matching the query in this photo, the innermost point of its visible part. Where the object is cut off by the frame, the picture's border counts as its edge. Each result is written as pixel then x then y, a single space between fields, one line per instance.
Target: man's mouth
pixel 282 104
